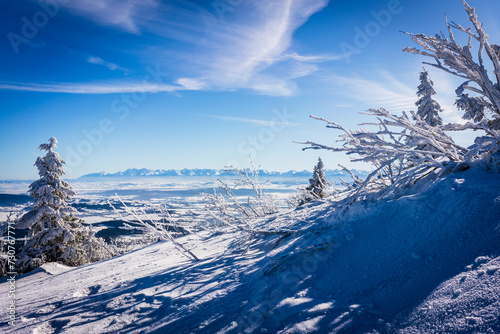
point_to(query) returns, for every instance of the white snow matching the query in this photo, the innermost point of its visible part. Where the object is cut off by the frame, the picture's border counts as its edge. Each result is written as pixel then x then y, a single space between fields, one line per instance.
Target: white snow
pixel 467 302
pixel 425 262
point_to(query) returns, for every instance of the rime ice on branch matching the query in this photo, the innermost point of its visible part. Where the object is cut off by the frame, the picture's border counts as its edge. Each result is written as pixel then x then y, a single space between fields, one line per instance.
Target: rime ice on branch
pixel 458 60
pixel 395 150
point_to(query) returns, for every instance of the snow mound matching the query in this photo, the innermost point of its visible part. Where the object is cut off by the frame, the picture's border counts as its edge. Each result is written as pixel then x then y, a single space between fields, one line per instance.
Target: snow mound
pixel 46 270
pixel 381 257
pixel 466 303
pixel 52 268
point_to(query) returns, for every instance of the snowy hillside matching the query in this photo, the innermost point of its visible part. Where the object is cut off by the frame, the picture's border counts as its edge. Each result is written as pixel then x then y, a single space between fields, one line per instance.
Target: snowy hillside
pixel 426 262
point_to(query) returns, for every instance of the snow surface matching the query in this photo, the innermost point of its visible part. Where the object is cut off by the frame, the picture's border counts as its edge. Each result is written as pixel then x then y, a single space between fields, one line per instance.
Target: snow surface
pixel 425 262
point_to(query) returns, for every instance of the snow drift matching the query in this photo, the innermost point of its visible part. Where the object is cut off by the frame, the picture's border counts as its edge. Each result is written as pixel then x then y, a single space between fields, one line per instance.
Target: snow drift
pixel 424 262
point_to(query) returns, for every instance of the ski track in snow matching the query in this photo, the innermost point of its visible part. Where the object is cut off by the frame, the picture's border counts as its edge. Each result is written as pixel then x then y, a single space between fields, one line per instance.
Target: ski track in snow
pixel 425 262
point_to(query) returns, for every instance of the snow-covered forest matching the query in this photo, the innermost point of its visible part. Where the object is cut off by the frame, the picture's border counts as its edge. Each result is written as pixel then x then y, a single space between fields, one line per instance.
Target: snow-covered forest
pixel 410 246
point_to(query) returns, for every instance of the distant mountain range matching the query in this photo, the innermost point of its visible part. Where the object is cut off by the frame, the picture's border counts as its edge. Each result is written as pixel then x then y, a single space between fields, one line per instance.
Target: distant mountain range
pixel 134 172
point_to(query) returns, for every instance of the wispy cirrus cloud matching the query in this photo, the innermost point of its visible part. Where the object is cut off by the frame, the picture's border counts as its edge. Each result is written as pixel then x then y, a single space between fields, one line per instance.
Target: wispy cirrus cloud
pixel 393 94
pixel 252 49
pixel 312 59
pixel 96 88
pixel 257 55
pixel 120 13
pixel 385 91
pixel 256 122
pixel 109 65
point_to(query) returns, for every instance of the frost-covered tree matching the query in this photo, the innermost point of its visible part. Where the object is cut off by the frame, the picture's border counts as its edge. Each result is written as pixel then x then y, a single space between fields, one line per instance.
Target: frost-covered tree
pixel 55 234
pixel 228 207
pixel 395 151
pixel 404 151
pixel 453 58
pixel 318 184
pixel 428 109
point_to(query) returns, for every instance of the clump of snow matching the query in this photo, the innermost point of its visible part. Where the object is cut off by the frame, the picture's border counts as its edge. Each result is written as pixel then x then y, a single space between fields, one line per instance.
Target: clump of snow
pixel 53 268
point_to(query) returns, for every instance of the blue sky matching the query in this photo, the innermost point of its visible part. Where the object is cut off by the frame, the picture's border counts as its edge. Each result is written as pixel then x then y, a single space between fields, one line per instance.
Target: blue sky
pixel 203 84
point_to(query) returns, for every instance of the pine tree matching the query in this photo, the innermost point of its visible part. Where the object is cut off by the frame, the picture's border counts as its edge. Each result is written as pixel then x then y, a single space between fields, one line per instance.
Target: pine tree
pixel 318 184
pixel 55 234
pixel 428 109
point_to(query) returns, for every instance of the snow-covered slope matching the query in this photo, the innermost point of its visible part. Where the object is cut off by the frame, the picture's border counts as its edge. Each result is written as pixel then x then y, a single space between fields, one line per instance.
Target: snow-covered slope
pixel 425 262
pixel 466 303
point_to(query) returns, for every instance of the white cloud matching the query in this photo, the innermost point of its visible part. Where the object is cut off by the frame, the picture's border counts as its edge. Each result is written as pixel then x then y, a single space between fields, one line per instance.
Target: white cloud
pixel 312 59
pixel 102 88
pixel 251 49
pixel 191 84
pixel 383 89
pixel 386 91
pixel 256 122
pixel 120 13
pixel 270 85
pixel 247 51
pixel 100 61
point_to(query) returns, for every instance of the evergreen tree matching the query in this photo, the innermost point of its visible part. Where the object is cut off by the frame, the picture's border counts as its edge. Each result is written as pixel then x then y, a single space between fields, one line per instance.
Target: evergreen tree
pixel 428 109
pixel 54 231
pixel 318 184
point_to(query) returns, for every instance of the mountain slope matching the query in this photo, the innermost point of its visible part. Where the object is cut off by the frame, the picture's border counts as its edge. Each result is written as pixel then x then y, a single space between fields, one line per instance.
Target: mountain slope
pixel 134 172
pixel 369 267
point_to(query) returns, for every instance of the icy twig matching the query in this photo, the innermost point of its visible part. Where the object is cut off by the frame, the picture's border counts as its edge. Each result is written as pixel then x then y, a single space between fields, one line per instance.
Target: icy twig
pixel 154 228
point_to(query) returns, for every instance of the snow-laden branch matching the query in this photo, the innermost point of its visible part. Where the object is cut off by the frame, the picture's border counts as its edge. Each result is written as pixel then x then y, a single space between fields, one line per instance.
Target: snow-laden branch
pixel 229 206
pixel 402 151
pixel 458 60
pixel 384 145
pixel 154 227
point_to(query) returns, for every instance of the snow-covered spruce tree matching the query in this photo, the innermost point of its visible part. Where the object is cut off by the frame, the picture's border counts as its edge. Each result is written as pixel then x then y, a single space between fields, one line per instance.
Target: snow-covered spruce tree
pixel 318 184
pixel 428 109
pixel 55 234
pixel 453 58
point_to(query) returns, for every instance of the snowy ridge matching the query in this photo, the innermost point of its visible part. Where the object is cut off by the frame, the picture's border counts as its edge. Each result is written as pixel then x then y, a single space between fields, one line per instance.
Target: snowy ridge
pixel 396 266
pixel 216 172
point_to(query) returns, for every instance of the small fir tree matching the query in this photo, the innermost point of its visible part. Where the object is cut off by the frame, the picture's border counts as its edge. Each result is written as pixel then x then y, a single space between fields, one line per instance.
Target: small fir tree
pixel 318 184
pixel 428 108
pixel 56 235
